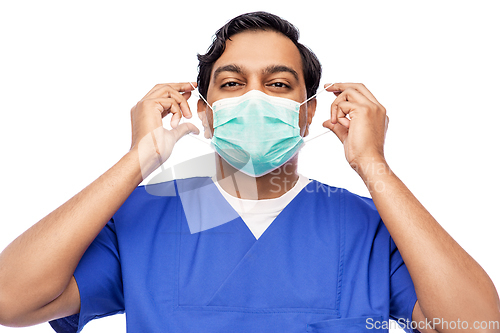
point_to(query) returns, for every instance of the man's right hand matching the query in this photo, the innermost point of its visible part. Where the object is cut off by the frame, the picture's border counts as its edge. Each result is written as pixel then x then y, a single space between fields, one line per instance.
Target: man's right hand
pixel 150 139
pixel 36 269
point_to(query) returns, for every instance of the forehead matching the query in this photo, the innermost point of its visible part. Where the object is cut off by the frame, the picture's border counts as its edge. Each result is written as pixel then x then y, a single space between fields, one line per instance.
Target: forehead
pixel 256 50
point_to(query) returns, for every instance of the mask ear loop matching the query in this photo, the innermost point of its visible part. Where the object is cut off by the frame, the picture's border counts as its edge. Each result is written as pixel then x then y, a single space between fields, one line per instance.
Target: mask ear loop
pixel 200 95
pixel 202 98
pixel 307 100
pixel 316 94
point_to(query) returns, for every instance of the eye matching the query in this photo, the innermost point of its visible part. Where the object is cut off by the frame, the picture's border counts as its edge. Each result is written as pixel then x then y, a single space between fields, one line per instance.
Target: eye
pixel 279 85
pixel 230 84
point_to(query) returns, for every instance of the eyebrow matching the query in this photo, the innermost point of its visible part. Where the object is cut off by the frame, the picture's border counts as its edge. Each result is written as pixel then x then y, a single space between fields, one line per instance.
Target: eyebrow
pixel 280 69
pixel 268 70
pixel 228 68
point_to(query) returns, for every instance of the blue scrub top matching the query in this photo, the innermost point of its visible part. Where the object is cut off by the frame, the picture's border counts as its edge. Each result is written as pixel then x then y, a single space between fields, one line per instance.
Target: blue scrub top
pixel 181 260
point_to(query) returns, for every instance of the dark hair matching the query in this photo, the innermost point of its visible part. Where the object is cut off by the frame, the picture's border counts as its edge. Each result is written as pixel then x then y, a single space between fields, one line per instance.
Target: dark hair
pixel 257 21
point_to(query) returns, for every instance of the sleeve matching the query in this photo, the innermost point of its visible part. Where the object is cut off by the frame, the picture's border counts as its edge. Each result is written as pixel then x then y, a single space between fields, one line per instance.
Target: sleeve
pixel 99 280
pixel 402 291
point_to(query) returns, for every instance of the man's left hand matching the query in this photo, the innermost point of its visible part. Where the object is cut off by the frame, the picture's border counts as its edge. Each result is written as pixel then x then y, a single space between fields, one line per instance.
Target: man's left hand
pixel 360 122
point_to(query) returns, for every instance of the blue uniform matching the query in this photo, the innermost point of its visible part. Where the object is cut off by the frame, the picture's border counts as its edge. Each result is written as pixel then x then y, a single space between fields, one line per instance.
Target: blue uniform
pixel 325 264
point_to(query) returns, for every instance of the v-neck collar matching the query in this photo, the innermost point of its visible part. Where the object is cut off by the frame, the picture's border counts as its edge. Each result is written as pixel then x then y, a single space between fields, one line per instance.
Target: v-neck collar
pixel 268 209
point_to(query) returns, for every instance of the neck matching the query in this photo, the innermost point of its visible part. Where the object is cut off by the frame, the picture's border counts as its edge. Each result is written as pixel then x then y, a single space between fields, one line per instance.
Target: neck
pixel 268 186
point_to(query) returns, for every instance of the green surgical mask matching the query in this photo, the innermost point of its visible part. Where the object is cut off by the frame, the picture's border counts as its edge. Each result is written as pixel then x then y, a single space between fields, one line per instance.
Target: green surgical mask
pixel 256 133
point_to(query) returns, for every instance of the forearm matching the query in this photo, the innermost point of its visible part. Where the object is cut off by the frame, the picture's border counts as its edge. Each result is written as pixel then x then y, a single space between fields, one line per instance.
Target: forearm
pixel 37 266
pixel 448 282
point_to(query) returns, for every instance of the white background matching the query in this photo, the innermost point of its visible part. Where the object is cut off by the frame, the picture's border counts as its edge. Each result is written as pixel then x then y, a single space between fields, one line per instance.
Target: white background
pixel 71 71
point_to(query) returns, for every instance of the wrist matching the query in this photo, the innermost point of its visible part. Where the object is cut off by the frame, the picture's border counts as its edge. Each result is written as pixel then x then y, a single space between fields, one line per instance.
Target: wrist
pixel 372 170
pixel 146 159
pixel 138 166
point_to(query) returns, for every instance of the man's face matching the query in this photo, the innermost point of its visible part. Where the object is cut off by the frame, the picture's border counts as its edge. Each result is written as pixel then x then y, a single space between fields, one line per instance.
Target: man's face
pixel 259 60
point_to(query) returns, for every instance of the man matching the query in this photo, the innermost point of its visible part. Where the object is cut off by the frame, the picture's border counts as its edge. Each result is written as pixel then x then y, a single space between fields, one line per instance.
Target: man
pixel 307 258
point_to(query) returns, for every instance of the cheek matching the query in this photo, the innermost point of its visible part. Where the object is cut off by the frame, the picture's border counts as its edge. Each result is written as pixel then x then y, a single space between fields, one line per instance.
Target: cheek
pixel 302 117
pixel 210 119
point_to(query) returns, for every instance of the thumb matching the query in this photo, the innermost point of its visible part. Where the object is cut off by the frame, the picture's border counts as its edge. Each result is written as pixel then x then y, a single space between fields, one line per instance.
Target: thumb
pixel 339 130
pixel 184 129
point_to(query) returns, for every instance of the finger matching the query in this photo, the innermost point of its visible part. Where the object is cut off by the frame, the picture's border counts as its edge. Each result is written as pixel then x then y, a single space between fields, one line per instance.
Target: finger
pixel 340 110
pixel 334 107
pixel 170 92
pixel 186 95
pixel 176 91
pixel 352 95
pixel 328 87
pixel 333 113
pixel 339 130
pixel 155 89
pixel 361 88
pixel 184 129
pixel 184 86
pixel 180 87
pixel 176 118
pixel 343 110
pixel 162 105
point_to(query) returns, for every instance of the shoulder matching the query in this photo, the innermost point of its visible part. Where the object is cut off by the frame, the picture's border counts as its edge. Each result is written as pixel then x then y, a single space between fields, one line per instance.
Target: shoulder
pixel 356 209
pixel 148 198
pixel 336 193
pixel 158 198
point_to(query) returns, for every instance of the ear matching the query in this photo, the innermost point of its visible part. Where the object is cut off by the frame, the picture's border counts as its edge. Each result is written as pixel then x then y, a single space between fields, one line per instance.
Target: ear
pixel 202 114
pixel 311 110
pixel 201 106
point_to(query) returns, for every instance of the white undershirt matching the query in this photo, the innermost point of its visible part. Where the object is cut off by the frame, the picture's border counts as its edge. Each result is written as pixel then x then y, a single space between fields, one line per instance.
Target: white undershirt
pixel 259 214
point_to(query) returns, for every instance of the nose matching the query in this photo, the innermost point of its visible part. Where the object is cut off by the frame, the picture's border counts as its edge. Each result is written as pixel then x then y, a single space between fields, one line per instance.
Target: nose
pixel 254 83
